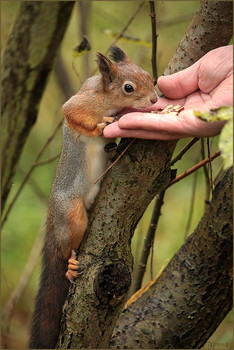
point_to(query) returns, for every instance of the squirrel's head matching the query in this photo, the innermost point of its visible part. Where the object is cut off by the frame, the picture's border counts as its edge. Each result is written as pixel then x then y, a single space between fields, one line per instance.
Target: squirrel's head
pixel 130 85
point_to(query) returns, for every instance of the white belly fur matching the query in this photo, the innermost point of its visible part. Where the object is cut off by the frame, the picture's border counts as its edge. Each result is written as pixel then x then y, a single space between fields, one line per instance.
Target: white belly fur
pixel 97 162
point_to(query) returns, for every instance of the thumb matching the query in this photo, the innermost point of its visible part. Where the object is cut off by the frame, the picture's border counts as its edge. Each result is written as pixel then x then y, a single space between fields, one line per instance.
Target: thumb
pixel 180 84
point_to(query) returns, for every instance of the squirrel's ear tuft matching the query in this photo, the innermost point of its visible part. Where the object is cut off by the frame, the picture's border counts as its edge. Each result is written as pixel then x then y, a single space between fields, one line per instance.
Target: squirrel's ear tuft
pixel 117 55
pixel 107 69
pixel 104 64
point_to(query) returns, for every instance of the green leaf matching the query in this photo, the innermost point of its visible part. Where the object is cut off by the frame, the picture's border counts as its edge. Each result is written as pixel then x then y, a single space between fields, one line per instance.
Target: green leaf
pixel 221 113
pixel 226 144
pixel 226 137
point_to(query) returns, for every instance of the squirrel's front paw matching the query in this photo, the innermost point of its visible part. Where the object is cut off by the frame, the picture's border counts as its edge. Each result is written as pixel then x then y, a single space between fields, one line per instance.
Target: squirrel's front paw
pixel 101 126
pixel 105 121
pixel 73 267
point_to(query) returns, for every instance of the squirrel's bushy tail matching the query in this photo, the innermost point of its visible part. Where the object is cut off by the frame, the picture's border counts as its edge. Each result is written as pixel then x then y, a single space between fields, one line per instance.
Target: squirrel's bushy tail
pixel 49 301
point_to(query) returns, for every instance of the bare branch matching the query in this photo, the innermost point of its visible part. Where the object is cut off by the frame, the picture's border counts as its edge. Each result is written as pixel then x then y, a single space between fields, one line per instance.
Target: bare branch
pixel 148 242
pixel 191 207
pixel 33 166
pixel 83 14
pixel 210 164
pixel 154 41
pixel 129 22
pixel 35 187
pixel 45 162
pixel 184 150
pixel 116 160
pixel 206 174
pixel 194 168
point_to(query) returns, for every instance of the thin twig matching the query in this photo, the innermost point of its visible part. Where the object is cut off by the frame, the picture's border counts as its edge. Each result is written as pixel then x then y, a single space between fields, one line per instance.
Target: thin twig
pixel 47 161
pixel 152 261
pixel 83 16
pixel 35 187
pixel 148 242
pixel 116 160
pixel 128 23
pixel 191 208
pixel 194 168
pixel 154 41
pixel 209 164
pixel 123 30
pixel 184 150
pixel 76 72
pixel 206 173
pixel 33 166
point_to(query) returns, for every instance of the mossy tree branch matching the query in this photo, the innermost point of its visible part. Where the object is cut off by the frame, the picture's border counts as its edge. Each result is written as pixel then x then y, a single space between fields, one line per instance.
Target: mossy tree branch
pixel 26 63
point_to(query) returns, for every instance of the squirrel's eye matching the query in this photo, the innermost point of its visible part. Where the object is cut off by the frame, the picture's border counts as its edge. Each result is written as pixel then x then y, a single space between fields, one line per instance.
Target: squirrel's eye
pixel 128 88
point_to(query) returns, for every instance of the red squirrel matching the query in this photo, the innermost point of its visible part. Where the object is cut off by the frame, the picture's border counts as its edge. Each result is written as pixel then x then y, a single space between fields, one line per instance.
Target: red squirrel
pixel 120 84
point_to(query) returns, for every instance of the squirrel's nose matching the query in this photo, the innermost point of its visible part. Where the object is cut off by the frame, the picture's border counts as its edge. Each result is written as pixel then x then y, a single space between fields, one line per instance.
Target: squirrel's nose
pixel 153 100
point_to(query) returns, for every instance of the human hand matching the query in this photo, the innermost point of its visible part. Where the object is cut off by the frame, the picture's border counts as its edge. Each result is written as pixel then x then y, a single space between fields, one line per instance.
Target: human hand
pixel 205 85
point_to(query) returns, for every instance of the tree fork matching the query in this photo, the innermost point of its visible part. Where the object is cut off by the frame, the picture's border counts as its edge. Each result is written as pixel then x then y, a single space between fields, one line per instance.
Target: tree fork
pixel 185 305
pixel 89 320
pixel 125 194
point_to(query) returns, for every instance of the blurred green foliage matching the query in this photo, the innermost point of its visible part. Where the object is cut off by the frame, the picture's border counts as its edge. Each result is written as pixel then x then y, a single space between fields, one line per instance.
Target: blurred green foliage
pixel 28 214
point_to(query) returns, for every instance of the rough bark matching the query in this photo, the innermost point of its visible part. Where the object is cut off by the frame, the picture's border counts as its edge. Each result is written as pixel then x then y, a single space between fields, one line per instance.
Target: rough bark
pixel 27 61
pixel 95 302
pixel 185 305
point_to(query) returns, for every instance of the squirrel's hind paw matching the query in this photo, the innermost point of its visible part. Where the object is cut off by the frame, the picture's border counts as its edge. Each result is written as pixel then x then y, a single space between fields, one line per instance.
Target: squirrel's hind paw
pixel 73 267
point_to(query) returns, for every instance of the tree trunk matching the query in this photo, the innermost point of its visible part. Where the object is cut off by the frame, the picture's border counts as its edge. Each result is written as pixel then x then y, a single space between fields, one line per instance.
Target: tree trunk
pixel 95 302
pixel 27 61
pixel 182 309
